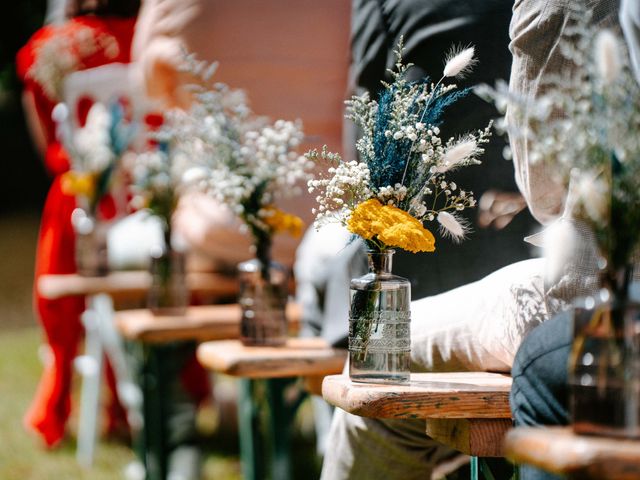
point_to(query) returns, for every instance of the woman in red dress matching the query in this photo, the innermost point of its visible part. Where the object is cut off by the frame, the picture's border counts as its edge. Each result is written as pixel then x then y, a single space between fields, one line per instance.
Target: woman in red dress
pixel 89 39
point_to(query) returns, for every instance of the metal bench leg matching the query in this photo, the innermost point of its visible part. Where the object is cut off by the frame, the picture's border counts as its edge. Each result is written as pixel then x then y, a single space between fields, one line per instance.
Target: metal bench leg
pixel 249 426
pixel 90 366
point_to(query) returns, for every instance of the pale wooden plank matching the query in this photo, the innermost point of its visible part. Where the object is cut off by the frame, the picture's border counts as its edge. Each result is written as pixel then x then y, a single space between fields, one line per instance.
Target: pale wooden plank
pixel 299 357
pixel 428 395
pixel 482 437
pixel 129 284
pixel 200 323
pixel 559 450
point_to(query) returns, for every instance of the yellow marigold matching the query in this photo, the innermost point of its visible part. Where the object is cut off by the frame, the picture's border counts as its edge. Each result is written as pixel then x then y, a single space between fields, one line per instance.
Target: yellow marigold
pixel 392 226
pixel 75 183
pixel 281 222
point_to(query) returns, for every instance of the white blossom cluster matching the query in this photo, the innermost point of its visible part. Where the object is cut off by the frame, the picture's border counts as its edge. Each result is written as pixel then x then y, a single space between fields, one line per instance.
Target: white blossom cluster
pixel 423 190
pixel 239 159
pixel 90 147
pixel 59 55
pixel 346 185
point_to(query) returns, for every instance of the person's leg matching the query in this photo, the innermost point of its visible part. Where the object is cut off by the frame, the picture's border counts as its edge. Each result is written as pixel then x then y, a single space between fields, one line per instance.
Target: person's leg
pixel 539 395
pixel 366 448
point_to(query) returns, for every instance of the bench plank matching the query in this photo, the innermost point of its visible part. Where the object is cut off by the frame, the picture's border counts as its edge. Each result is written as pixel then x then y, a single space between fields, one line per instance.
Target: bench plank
pixel 429 395
pixel 299 357
pixel 200 323
pixel 130 284
pixel 480 437
pixel 559 450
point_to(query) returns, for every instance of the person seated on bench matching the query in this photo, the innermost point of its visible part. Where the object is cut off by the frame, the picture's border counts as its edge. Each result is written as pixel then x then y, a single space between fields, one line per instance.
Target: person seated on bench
pixel 477 326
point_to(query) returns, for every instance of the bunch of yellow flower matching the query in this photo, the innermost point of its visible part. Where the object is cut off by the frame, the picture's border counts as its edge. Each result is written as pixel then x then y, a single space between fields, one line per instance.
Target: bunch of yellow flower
pixel 282 222
pixel 78 183
pixel 390 226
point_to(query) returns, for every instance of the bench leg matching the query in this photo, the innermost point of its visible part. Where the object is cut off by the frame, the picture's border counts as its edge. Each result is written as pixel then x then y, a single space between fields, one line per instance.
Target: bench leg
pixel 249 430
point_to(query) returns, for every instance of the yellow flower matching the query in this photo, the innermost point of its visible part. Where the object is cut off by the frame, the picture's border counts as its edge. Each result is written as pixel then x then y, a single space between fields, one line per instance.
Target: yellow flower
pixel 392 226
pixel 75 183
pixel 281 222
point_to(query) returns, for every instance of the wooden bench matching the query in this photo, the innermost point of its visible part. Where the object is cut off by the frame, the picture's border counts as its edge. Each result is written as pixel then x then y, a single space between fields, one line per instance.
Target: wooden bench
pixel 101 337
pixel 560 451
pixel 468 411
pixel 312 358
pixel 155 339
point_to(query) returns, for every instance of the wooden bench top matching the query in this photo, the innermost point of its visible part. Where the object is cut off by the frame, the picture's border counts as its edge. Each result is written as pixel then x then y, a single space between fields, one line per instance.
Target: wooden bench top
pixel 428 395
pixel 200 323
pixel 559 450
pixel 129 284
pixel 299 357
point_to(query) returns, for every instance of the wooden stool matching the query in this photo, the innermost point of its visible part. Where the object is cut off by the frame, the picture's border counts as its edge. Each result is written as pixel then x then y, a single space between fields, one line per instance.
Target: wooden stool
pixel 305 357
pixel 157 338
pixel 101 337
pixel 468 411
pixel 559 450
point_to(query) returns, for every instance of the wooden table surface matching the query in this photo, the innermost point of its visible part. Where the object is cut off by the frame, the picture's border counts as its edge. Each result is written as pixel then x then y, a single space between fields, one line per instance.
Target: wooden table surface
pixel 130 284
pixel 428 395
pixel 559 450
pixel 299 357
pixel 200 323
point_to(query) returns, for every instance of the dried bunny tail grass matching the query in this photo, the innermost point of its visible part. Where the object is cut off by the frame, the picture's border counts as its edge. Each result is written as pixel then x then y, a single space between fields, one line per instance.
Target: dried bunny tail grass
pixel 607 55
pixel 452 227
pixel 460 152
pixel 459 61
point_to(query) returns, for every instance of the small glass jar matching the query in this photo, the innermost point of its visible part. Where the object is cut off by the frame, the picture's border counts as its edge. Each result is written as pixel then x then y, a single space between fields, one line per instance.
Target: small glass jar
pixel 604 365
pixel 91 254
pixel 379 324
pixel 168 293
pixel 263 299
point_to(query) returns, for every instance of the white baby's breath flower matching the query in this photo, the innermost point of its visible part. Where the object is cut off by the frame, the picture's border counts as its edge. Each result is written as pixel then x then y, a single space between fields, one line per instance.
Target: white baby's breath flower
pixel 459 61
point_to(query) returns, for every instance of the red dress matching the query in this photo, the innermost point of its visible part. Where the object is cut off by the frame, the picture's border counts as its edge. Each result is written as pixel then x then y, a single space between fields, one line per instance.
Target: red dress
pixel 81 43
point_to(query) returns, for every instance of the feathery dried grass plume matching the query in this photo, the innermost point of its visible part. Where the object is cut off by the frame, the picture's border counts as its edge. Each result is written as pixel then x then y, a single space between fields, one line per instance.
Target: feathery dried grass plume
pixel 459 61
pixel 607 54
pixel 460 153
pixel 452 227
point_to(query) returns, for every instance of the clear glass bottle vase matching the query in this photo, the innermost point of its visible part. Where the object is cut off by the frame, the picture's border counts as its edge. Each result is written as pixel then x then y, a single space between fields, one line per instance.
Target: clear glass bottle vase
pixel 168 293
pixel 604 364
pixel 263 300
pixel 379 324
pixel 91 254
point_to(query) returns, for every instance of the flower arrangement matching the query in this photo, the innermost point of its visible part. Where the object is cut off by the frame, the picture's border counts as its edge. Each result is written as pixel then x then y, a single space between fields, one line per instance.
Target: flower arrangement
pixel 584 128
pixel 59 55
pixel 94 150
pixel 239 159
pixel 400 182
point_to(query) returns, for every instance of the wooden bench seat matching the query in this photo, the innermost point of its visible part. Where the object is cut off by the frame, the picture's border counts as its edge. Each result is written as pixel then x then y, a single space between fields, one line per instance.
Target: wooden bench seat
pixel 559 450
pixel 299 357
pixel 199 323
pixel 468 411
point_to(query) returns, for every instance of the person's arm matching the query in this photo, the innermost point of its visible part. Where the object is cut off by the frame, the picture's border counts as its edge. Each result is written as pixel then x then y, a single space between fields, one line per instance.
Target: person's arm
pixel 34 125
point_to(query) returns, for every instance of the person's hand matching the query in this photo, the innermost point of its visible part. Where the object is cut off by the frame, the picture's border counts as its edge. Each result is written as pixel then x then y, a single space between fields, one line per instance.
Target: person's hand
pixel 497 208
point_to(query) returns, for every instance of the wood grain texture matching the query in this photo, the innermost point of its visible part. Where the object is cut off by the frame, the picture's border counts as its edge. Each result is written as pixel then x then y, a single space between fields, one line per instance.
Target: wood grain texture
pixel 559 450
pixel 482 437
pixel 129 284
pixel 429 395
pixel 299 357
pixel 210 322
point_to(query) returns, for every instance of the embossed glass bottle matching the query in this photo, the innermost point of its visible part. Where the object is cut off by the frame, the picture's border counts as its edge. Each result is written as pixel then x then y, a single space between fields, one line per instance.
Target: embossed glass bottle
pixel 263 299
pixel 379 324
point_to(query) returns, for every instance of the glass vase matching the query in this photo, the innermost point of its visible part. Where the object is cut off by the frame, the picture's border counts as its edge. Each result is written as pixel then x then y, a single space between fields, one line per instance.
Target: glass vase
pixel 168 293
pixel 263 300
pixel 91 254
pixel 379 324
pixel 604 365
